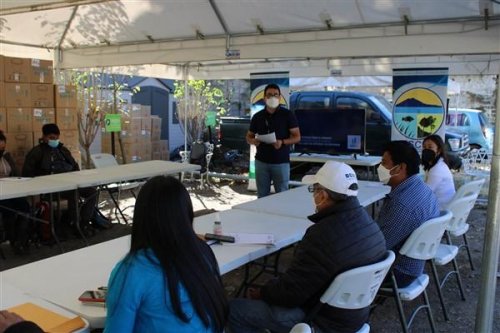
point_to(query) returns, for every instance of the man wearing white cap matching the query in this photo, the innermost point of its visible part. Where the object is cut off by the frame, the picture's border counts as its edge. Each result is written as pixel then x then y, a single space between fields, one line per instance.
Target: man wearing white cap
pixel 343 237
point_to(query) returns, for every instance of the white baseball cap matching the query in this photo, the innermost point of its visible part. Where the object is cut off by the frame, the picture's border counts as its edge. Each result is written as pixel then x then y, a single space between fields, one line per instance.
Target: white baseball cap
pixel 335 176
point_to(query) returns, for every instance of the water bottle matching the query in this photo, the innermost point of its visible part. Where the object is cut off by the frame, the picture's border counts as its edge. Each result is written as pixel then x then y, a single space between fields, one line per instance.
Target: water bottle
pixel 217 225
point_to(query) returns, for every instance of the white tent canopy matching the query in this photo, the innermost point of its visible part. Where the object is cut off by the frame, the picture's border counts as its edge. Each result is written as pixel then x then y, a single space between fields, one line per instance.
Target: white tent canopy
pixel 309 38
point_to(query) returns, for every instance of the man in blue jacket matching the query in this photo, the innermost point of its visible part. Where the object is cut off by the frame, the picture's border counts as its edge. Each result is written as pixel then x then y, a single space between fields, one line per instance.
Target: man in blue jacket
pixel 343 237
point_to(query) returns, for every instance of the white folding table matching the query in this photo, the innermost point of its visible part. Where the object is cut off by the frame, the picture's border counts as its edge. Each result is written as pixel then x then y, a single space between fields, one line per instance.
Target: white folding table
pixel 370 162
pixel 297 202
pixel 62 279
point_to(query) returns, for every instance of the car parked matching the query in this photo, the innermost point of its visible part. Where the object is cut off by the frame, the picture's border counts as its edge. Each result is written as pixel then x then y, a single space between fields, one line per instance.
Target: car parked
pixel 475 124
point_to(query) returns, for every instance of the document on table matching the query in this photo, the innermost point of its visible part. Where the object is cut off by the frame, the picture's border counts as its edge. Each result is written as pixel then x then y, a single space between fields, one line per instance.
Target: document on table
pixel 247 238
pixel 266 138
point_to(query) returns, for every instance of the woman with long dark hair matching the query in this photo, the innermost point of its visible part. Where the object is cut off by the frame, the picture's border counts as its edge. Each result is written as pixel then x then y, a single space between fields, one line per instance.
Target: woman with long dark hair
pixel 169 281
pixel 437 172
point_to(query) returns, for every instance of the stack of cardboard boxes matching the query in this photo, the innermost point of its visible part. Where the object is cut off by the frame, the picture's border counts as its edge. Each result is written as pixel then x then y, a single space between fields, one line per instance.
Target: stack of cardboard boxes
pixel 27 102
pixel 140 135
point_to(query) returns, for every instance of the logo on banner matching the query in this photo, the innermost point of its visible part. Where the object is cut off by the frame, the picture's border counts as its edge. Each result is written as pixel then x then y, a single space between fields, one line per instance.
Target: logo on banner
pixel 418 112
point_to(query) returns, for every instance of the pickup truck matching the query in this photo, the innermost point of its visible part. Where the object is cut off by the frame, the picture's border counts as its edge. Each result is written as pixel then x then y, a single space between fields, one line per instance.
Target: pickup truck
pixel 378 120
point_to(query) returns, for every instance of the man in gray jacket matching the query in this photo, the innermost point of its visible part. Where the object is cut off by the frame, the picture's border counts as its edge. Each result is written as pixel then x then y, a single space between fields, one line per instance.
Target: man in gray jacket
pixel 343 237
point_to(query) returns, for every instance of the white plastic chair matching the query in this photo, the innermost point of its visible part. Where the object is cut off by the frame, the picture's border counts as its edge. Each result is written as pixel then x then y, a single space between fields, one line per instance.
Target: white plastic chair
pixel 422 244
pixel 461 209
pixel 301 328
pixel 107 160
pixel 356 288
pixel 472 187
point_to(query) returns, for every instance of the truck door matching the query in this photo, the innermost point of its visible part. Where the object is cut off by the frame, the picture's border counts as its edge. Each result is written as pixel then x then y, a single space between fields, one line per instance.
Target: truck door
pixel 378 128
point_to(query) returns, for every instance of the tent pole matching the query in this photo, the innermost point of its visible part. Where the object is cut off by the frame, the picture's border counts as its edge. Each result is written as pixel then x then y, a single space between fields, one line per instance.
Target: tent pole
pixel 489 266
pixel 185 107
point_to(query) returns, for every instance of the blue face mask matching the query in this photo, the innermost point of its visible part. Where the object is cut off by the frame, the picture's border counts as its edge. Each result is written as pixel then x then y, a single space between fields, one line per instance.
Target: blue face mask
pixel 53 143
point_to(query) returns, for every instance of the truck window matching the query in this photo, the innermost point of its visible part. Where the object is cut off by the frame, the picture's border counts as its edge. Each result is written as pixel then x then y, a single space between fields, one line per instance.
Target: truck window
pixel 349 103
pixel 457 119
pixel 313 103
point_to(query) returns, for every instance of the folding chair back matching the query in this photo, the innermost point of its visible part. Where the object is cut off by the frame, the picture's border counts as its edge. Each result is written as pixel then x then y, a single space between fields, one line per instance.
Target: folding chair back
pixel 103 160
pixel 424 241
pixel 472 187
pixel 460 209
pixel 357 287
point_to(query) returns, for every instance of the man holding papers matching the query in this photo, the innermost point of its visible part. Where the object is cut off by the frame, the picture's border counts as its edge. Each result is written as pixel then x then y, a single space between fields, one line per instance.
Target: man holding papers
pixel 343 237
pixel 272 131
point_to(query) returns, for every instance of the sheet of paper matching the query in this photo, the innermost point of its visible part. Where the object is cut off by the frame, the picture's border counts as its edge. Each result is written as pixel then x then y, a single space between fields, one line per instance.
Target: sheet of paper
pixel 266 138
pixel 247 238
pixel 48 320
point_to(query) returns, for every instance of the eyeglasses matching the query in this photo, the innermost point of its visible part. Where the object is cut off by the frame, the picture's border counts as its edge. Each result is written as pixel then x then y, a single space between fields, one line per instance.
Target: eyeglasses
pixel 312 188
pixel 272 95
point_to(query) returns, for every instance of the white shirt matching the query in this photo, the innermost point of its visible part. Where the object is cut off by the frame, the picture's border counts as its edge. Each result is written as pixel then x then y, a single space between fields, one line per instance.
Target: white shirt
pixel 440 180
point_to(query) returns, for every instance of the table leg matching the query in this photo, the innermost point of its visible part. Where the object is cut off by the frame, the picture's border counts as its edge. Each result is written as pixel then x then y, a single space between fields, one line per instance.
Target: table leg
pixel 77 196
pixel 52 221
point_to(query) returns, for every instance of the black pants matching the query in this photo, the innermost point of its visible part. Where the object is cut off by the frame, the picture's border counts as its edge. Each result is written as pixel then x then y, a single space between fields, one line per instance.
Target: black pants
pixel 16 226
pixel 89 197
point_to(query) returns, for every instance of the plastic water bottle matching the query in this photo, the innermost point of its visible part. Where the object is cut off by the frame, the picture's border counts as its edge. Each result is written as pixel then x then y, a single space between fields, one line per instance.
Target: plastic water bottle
pixel 217 225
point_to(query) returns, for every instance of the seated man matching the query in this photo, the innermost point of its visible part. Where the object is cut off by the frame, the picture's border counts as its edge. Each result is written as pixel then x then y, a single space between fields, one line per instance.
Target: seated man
pixel 343 237
pixel 51 157
pixel 409 204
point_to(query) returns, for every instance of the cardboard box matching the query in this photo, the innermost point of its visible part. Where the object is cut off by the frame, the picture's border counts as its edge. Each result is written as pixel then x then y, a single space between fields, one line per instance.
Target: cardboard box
pixel 131 110
pixel 37 137
pixel 3 120
pixel 17 70
pixel 145 110
pixel 2 94
pixel 42 117
pixel 67 118
pixel 19 142
pixel 41 71
pixel 17 95
pixel 70 138
pixel 65 96
pixel 19 120
pixel 42 95
pixel 131 125
pixel 146 124
pixel 2 70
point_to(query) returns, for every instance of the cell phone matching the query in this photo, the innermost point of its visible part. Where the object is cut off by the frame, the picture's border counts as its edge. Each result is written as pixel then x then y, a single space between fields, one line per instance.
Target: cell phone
pixel 93 296
pixel 221 238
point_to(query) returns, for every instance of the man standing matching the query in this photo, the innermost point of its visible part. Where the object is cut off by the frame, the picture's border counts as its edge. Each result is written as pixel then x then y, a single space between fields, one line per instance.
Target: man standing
pixel 272 161
pixel 409 204
pixel 51 157
pixel 343 237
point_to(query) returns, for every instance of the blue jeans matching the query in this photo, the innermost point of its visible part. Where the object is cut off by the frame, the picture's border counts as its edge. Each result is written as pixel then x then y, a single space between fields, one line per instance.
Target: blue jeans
pixel 254 316
pixel 265 172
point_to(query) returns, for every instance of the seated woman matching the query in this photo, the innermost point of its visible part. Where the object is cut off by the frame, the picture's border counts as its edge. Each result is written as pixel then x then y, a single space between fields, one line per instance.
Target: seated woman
pixel 16 225
pixel 437 173
pixel 169 281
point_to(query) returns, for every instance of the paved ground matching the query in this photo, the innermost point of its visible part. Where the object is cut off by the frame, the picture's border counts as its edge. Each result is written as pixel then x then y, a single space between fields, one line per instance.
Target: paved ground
pixel 222 195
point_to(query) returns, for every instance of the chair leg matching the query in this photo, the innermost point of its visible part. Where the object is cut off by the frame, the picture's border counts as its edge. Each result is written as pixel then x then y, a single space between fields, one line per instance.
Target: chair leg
pixel 117 206
pixel 429 312
pixel 468 252
pixel 439 291
pixel 399 304
pixel 459 279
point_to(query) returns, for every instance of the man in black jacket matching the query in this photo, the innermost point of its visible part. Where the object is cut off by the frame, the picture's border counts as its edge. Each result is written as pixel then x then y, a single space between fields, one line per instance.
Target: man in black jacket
pixel 51 157
pixel 343 237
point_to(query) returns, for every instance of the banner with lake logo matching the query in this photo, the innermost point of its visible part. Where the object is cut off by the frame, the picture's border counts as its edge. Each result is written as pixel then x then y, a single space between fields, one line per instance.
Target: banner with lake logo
pixel 419 104
pixel 258 81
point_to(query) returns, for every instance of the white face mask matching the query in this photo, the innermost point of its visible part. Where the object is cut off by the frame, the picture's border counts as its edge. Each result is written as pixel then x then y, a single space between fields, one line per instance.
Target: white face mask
pixel 384 174
pixel 273 102
pixel 316 205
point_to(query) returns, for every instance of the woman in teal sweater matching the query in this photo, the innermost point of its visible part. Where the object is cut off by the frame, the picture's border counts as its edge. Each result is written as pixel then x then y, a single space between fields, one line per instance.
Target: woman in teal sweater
pixel 169 281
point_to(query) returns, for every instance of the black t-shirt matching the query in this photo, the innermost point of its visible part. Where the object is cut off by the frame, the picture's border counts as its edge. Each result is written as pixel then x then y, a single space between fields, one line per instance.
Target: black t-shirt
pixel 280 122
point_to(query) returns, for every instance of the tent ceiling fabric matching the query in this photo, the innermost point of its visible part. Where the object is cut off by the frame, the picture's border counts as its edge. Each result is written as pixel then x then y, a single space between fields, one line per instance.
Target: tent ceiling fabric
pixel 269 33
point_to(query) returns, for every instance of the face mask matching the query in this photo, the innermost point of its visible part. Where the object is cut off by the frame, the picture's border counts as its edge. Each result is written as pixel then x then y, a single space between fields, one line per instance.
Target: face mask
pixel 53 143
pixel 428 156
pixel 273 102
pixel 384 174
pixel 316 205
